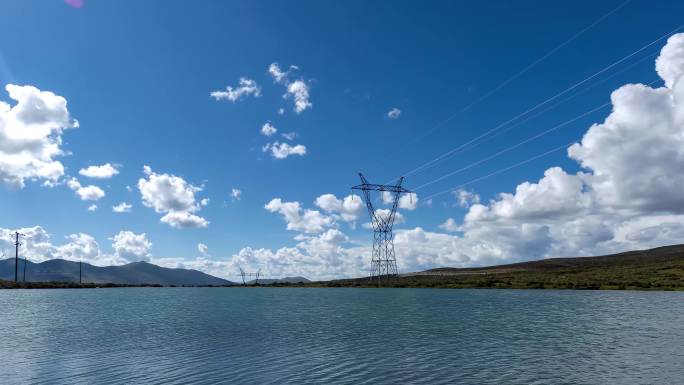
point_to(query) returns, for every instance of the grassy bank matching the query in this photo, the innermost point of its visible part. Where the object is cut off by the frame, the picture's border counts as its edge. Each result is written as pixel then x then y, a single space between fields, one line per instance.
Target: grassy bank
pixel 655 269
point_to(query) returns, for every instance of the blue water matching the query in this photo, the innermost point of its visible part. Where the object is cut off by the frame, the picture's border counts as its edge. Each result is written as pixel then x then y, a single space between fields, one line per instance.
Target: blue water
pixel 340 336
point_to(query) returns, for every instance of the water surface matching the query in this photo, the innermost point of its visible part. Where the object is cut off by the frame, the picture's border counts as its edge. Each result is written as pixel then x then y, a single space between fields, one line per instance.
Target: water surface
pixel 340 336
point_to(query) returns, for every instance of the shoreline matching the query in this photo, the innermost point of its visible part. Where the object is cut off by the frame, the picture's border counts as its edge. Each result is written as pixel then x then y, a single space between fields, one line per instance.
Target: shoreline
pixel 5 285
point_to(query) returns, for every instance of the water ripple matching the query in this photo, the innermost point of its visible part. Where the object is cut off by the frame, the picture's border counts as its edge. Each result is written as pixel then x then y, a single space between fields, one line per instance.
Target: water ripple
pixel 340 336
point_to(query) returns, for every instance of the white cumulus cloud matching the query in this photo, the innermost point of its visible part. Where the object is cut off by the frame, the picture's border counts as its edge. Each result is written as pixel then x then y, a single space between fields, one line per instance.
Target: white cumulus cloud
pixel 268 129
pixel 246 87
pixel 122 207
pixel 466 198
pixel 105 171
pixel 298 219
pixel 236 194
pixel 394 113
pixel 31 136
pixel 173 196
pixel 280 150
pixel 38 247
pixel 298 90
pixel 407 201
pixel 289 135
pixel 86 193
pixel 450 225
pixel 349 209
pixel 131 246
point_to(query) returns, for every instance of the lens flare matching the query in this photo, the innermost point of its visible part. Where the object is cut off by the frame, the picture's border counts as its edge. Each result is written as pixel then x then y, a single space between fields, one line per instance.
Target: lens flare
pixel 75 3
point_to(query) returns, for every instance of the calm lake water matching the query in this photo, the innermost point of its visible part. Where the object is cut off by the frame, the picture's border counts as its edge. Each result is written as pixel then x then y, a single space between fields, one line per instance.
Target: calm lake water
pixel 340 336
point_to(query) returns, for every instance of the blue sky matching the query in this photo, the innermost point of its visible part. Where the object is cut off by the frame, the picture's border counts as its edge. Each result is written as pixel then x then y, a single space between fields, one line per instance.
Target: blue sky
pixel 138 75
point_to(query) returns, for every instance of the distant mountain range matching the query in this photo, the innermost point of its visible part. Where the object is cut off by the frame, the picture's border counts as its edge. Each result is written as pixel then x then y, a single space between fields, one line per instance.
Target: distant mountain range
pixel 136 273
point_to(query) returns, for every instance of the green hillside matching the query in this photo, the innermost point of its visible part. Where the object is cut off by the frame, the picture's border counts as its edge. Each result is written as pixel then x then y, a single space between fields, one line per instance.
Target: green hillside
pixel 656 269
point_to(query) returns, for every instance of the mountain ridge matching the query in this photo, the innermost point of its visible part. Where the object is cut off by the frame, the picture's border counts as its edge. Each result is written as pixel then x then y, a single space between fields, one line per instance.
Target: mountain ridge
pixel 134 273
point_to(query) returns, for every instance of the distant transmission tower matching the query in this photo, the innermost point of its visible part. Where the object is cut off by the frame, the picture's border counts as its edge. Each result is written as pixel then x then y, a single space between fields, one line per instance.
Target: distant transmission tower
pixel 383 261
pixel 246 277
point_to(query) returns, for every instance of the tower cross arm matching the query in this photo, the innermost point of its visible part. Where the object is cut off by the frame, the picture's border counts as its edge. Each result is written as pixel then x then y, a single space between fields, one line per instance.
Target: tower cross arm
pixel 381 187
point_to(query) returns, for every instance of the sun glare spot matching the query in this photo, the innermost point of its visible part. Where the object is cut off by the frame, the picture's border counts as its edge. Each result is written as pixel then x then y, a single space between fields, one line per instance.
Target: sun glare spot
pixel 75 3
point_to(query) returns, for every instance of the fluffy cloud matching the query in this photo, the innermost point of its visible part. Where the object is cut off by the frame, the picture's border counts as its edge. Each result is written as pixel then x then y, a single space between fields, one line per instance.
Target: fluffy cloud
pixel 236 194
pixel 298 219
pixel 122 207
pixel 38 247
pixel 31 136
pixel 450 225
pixel 323 256
pixel 297 90
pixel 131 247
pixel 283 150
pixel 466 198
pixel 278 74
pixel 268 129
pixel 394 113
pixel 348 209
pixel 669 64
pixel 86 193
pixel 105 171
pixel 202 248
pixel 383 215
pixel 173 196
pixel 246 87
pixel 184 220
pixel 406 201
pixel 92 207
pixel 289 135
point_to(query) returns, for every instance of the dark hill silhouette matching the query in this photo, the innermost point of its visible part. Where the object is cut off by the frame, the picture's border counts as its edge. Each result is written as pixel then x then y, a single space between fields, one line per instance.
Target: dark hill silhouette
pixel 136 273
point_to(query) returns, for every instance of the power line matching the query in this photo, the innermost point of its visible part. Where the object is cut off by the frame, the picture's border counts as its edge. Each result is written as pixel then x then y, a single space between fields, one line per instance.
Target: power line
pixel 501 170
pixel 554 128
pixel 520 73
pixel 584 90
pixel 505 150
pixel 574 86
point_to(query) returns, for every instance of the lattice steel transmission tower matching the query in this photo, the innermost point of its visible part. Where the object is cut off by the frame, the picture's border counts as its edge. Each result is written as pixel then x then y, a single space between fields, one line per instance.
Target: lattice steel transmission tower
pixel 383 260
pixel 250 275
